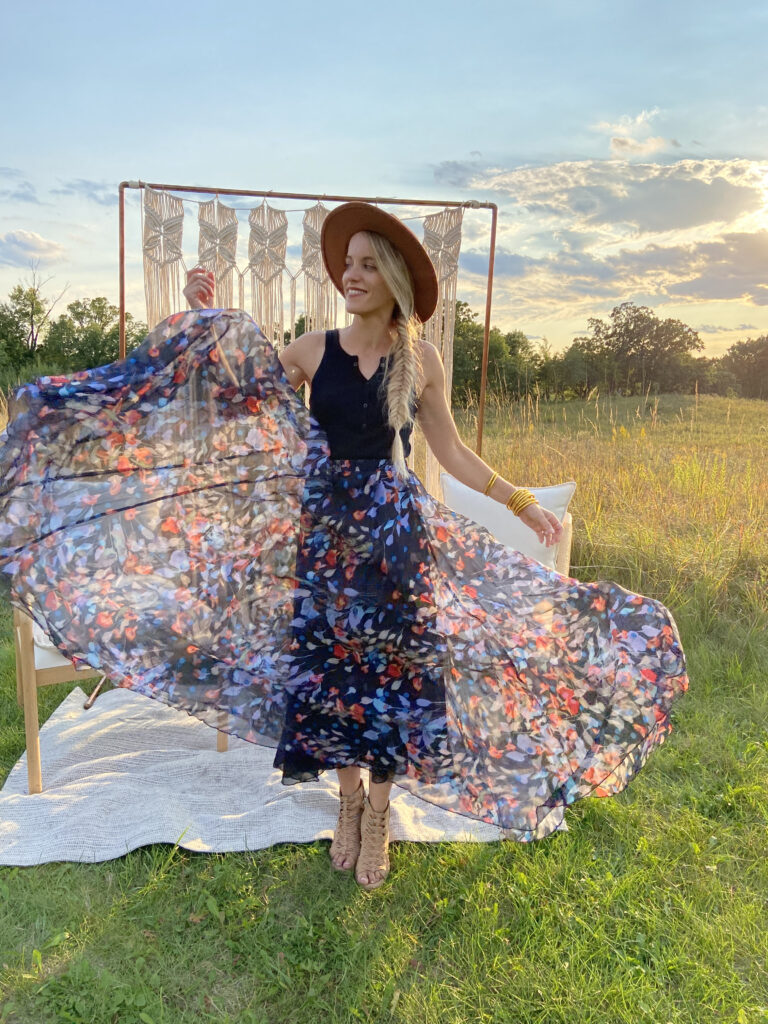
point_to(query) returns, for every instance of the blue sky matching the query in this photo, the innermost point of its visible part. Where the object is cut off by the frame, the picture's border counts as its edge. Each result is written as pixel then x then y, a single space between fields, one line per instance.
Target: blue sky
pixel 625 143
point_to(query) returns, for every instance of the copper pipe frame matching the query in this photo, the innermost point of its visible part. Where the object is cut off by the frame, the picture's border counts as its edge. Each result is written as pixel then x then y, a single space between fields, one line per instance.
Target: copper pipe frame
pixel 470 204
pixel 486 336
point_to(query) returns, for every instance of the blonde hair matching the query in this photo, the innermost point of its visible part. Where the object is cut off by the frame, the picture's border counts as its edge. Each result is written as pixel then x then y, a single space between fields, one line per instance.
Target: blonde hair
pixel 403 365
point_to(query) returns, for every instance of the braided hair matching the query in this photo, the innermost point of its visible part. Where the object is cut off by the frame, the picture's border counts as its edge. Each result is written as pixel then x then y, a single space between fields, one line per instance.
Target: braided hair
pixel 404 359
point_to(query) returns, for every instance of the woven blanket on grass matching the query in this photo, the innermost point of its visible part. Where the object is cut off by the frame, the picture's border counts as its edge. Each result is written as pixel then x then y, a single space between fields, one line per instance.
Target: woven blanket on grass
pixel 131 771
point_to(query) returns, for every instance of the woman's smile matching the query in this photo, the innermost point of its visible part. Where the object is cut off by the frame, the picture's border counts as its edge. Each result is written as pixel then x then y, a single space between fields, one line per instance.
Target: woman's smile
pixel 365 290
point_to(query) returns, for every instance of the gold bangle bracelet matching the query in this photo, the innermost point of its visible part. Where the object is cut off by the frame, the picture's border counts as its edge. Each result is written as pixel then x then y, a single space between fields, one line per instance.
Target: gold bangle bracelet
pixel 523 502
pixel 525 505
pixel 516 496
pixel 522 506
pixel 491 482
pixel 521 499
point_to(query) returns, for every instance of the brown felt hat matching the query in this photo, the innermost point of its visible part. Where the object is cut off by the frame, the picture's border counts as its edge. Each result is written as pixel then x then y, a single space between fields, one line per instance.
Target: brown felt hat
pixel 347 220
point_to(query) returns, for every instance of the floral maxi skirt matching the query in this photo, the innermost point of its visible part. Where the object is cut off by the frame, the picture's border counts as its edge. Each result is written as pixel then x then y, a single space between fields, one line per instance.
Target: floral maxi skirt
pixel 176 520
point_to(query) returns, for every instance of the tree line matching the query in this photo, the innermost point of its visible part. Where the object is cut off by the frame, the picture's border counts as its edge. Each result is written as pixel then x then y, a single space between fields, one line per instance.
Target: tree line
pixel 33 341
pixel 632 352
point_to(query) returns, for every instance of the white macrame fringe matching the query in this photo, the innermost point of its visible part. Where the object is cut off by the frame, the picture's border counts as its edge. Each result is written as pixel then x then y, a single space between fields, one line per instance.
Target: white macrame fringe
pixel 266 260
pixel 442 240
pixel 161 233
pixel 319 293
pixel 217 249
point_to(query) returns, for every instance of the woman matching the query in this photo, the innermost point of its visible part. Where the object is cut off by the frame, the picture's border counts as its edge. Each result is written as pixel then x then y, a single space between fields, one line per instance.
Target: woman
pixel 180 520
pixel 367 381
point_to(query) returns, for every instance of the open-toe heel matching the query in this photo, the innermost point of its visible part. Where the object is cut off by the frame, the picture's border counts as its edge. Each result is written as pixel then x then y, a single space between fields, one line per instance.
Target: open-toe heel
pixel 374 855
pixel 346 840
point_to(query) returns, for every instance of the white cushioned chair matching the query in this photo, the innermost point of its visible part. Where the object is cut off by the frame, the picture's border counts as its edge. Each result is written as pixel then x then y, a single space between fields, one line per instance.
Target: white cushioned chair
pixel 508 529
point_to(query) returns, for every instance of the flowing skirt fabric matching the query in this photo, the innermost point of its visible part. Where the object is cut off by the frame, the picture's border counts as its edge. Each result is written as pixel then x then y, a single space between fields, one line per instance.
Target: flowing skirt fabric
pixel 175 519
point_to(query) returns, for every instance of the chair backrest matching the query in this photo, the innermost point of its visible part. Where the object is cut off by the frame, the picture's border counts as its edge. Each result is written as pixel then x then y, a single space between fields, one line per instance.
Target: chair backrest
pixel 40 664
pixel 510 530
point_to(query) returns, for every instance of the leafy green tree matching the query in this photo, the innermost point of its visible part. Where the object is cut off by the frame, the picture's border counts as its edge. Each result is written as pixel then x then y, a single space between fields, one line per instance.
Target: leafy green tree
pixel 640 351
pixel 24 321
pixel 299 329
pixel 13 352
pixel 713 377
pixel 549 381
pixel 584 366
pixel 747 361
pixel 512 361
pixel 87 335
pixel 522 365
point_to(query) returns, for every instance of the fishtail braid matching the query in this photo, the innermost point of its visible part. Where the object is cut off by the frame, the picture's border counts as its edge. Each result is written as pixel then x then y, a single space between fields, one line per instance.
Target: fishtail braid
pixel 401 379
pixel 403 366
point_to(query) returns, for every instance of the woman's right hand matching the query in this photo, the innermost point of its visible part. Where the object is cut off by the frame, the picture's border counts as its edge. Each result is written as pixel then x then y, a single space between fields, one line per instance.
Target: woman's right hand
pixel 200 287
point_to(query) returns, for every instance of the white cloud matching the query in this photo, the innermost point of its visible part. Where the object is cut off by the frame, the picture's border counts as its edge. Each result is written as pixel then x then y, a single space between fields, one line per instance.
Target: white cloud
pixel 721 328
pixel 22 248
pixel 579 237
pixel 637 198
pixel 626 125
pixel 621 146
pixel 581 283
pixel 630 135
pixel 732 268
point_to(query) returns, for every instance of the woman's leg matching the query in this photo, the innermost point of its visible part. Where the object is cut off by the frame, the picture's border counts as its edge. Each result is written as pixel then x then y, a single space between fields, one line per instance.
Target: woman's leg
pixel 378 797
pixel 349 783
pixel 378 794
pixel 349 779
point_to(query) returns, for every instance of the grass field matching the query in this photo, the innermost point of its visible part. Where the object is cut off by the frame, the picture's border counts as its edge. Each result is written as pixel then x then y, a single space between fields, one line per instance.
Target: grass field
pixel 653 908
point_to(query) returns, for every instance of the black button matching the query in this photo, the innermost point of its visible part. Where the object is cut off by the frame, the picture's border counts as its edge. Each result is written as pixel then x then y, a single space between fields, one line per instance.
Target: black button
pixel 365 425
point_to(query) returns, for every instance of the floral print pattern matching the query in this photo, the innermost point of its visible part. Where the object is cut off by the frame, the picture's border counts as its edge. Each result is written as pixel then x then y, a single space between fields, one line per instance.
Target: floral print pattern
pixel 176 520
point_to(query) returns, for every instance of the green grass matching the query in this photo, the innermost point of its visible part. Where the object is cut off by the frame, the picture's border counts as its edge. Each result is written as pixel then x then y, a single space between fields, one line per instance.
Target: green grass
pixel 653 908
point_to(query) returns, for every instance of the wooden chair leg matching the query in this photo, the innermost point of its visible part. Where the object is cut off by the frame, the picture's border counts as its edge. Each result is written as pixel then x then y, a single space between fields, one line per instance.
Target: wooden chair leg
pixel 222 738
pixel 25 660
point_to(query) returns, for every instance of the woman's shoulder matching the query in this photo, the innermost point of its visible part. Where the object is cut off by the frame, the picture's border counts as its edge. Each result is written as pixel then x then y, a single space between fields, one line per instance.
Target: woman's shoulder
pixel 309 338
pixel 310 342
pixel 431 361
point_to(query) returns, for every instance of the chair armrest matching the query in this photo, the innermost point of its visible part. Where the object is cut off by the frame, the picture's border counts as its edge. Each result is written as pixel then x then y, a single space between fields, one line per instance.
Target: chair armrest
pixel 563 559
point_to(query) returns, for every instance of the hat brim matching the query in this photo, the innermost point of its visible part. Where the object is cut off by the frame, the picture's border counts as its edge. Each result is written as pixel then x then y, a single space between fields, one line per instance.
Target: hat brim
pixel 345 221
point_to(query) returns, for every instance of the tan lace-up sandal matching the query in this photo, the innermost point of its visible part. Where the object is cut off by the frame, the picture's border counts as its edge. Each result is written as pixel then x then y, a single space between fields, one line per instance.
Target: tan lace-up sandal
pixel 346 840
pixel 374 855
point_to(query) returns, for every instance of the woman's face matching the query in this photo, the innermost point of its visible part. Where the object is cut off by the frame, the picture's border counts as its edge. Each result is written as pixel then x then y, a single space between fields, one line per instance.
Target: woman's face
pixel 365 290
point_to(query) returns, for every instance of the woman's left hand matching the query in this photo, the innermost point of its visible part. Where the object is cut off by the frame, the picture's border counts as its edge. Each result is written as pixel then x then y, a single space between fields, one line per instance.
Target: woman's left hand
pixel 544 524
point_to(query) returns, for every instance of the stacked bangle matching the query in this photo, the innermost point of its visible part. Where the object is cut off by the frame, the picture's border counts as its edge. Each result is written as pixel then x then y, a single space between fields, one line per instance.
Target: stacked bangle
pixel 491 482
pixel 520 500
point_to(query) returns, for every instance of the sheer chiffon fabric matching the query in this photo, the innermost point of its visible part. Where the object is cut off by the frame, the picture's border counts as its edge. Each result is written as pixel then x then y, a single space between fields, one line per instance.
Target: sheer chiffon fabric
pixel 176 520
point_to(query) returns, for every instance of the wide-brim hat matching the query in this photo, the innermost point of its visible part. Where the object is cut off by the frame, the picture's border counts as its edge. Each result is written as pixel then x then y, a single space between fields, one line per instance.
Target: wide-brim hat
pixel 345 221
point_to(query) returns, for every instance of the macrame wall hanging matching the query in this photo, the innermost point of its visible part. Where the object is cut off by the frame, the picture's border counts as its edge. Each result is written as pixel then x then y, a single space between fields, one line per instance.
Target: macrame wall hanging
pixel 267 268
pixel 319 292
pixel 217 250
pixel 267 246
pixel 442 240
pixel 162 225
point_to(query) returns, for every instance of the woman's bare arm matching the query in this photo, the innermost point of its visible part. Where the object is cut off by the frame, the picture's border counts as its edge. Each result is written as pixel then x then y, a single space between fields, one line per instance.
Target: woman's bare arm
pixel 302 357
pixel 461 462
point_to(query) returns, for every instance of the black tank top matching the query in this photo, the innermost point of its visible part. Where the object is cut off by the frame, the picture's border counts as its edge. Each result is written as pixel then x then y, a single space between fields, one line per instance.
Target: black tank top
pixel 350 408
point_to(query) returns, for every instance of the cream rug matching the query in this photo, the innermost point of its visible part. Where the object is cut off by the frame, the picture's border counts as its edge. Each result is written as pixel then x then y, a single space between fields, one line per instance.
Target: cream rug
pixel 131 771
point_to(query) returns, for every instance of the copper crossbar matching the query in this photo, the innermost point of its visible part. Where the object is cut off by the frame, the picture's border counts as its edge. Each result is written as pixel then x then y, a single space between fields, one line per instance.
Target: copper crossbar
pixel 206 190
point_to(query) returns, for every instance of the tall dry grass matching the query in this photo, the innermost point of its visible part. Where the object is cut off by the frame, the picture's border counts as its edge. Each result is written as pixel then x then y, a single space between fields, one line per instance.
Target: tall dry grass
pixel 672 491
